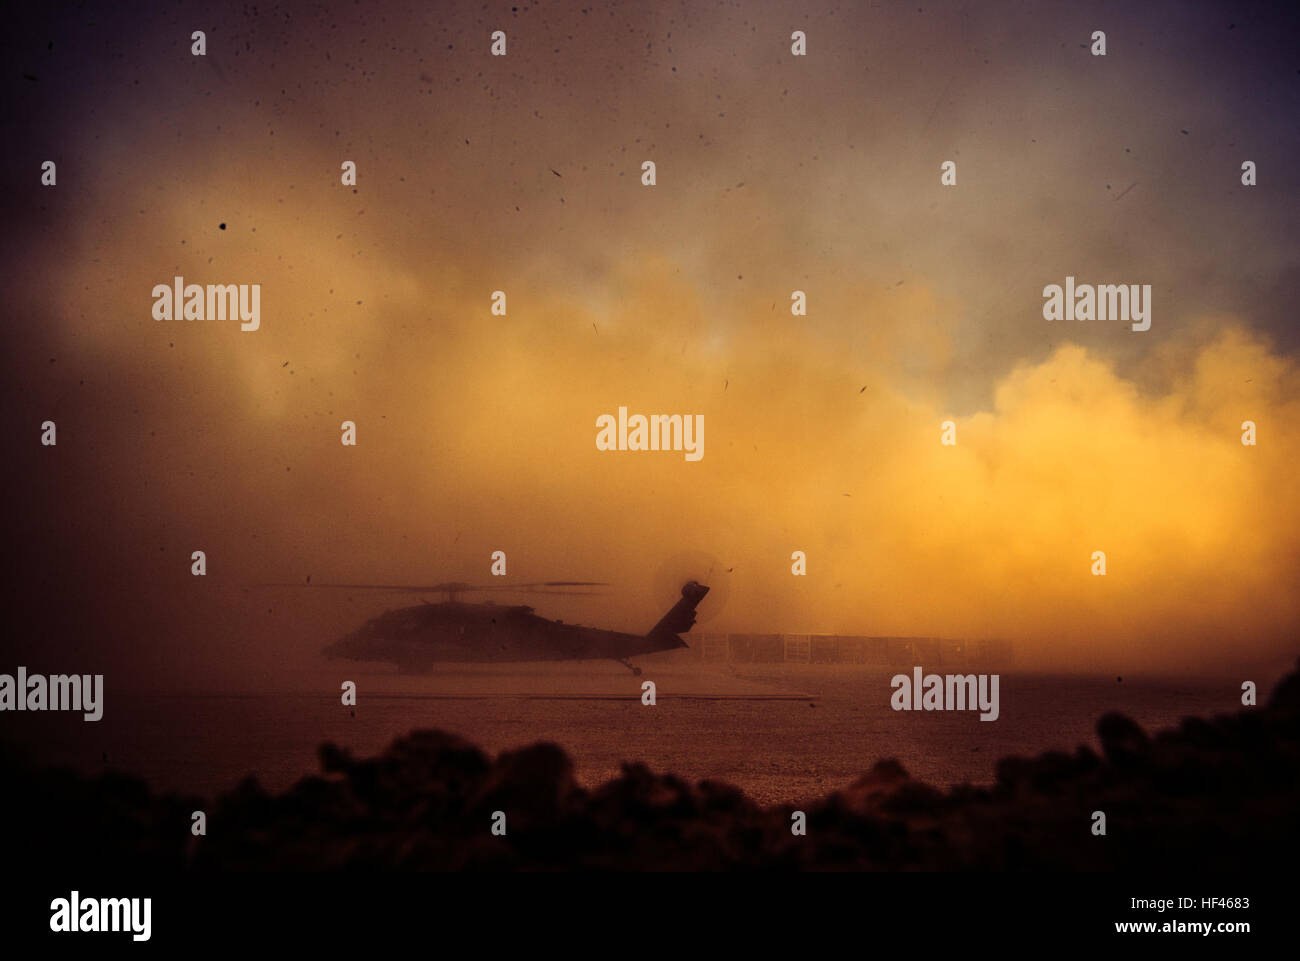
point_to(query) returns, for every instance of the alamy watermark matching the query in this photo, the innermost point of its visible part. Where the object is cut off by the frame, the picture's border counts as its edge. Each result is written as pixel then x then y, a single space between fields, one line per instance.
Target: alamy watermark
pixel 683 432
pixel 179 300
pixel 75 914
pixel 1130 302
pixel 58 692
pixel 946 692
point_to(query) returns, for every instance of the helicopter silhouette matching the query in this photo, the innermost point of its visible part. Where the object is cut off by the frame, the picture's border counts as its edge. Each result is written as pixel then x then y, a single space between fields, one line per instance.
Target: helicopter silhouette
pixel 454 631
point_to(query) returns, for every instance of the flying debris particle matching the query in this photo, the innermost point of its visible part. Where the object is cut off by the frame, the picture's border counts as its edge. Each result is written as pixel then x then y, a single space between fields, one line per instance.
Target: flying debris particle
pixel 593 327
pixel 1120 680
pixel 1185 133
pixel 557 173
pixel 1126 190
pixel 864 387
pixel 308 578
pixel 285 364
pixel 725 385
pixel 28 76
pixel 221 226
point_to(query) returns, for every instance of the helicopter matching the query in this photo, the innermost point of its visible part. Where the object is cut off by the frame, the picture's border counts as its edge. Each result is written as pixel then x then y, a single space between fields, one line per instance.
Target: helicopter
pixel 455 631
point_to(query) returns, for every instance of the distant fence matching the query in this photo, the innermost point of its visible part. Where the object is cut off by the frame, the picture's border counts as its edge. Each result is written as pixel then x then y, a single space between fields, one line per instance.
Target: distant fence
pixel 847 649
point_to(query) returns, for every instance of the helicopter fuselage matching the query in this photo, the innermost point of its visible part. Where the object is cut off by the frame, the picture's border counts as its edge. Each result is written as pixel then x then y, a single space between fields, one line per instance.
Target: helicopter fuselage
pixel 415 638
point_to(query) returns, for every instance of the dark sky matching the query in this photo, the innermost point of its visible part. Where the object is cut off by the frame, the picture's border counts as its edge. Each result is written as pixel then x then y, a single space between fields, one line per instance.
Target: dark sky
pixel 775 173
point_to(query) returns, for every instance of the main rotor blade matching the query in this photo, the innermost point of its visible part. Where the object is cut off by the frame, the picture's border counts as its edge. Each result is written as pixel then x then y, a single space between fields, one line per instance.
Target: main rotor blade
pixel 533 585
pixel 413 588
pixel 564 593
pixel 457 587
pixel 568 584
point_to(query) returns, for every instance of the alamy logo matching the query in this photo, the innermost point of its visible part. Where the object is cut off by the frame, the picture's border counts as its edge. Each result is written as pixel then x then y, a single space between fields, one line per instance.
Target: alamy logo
pixel 684 432
pixel 215 302
pixel 58 692
pixel 946 692
pixel 1129 302
pixel 73 914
